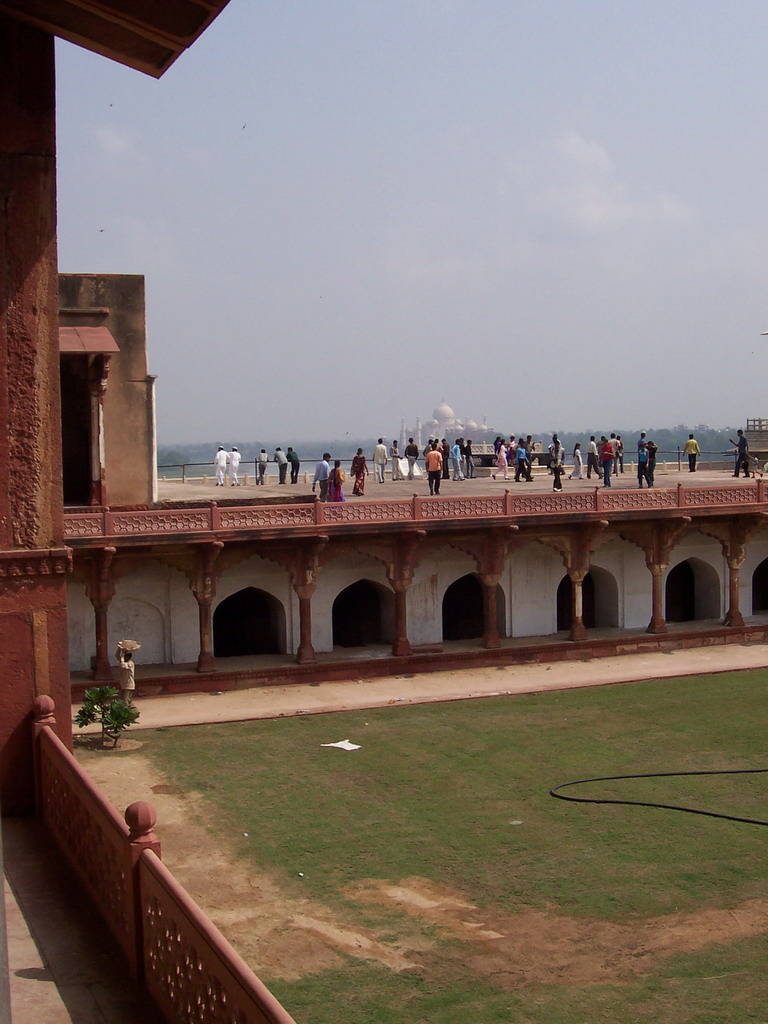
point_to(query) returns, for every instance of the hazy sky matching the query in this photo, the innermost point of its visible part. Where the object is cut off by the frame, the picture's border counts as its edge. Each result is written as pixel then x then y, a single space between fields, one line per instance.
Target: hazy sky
pixel 549 213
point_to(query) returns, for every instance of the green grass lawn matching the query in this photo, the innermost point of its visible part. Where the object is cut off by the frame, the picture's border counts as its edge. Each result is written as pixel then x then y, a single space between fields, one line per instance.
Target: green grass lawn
pixel 458 794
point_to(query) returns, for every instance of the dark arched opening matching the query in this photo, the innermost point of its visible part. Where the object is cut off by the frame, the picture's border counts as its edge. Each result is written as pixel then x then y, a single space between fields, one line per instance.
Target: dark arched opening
pixel 248 622
pixel 565 603
pixel 760 587
pixel 463 609
pixel 680 594
pixel 358 616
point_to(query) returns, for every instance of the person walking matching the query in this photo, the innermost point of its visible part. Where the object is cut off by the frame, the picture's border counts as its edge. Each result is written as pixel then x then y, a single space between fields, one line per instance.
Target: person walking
pixel 412 454
pixel 575 473
pixel 295 463
pixel 322 473
pixel 652 449
pixel 127 669
pixel 282 464
pixel 434 460
pixel 522 461
pixel 456 459
pixel 692 450
pixel 742 453
pixel 502 466
pixel 336 483
pixel 620 453
pixel 469 470
pixel 642 465
pixel 556 460
pixel 606 458
pixel 445 451
pixel 380 459
pixel 394 455
pixel 233 464
pixel 261 463
pixel 220 464
pixel 359 470
pixel 592 460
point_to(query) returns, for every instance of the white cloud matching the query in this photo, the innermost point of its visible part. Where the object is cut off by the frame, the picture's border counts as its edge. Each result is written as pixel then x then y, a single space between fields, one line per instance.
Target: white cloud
pixel 575 182
pixel 121 145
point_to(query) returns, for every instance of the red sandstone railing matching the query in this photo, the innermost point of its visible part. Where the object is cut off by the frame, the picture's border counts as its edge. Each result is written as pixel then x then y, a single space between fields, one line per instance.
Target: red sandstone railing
pixel 180 944
pixel 213 519
pixel 188 967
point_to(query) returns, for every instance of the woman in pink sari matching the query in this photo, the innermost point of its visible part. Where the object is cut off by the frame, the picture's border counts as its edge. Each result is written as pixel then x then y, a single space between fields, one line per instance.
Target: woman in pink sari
pixel 335 481
pixel 359 470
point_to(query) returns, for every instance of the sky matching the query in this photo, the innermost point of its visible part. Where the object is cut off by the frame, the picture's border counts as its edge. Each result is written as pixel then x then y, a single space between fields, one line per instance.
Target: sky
pixel 550 214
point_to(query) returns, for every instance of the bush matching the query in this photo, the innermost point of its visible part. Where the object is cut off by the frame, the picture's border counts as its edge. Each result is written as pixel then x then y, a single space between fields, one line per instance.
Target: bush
pixel 105 705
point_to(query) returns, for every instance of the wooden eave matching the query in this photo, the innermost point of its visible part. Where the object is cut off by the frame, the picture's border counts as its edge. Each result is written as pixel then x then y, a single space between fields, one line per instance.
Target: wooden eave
pixel 147 35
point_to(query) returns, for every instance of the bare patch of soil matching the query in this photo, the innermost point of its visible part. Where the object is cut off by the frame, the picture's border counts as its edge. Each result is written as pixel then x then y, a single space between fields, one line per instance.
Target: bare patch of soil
pixel 279 935
pixel 287 937
pixel 537 946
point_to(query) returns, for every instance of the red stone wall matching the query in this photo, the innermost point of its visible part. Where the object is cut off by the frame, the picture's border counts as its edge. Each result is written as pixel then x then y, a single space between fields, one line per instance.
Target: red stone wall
pixel 33 638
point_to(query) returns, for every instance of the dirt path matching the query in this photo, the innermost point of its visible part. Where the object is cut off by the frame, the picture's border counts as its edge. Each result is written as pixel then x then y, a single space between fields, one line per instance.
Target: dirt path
pixel 282 936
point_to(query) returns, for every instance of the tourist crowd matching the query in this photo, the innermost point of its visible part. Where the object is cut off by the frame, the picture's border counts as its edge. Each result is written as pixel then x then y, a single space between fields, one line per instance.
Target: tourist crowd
pixel 443 461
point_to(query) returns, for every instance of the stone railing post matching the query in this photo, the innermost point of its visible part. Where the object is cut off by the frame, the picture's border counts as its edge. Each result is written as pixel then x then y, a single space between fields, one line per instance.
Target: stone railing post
pixel 140 818
pixel 43 709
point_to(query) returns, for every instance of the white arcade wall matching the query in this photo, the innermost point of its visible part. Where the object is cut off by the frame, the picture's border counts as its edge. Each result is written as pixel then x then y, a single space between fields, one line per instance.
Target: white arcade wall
pixel 153 602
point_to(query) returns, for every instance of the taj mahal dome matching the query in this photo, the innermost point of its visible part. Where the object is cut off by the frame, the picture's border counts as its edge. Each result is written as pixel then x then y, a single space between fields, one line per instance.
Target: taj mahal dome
pixel 444 423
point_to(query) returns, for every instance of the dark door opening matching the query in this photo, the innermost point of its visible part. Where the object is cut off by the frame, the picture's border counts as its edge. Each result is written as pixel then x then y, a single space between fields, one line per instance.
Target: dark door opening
pixel 248 622
pixel 680 594
pixel 356 616
pixel 760 587
pixel 75 431
pixel 463 609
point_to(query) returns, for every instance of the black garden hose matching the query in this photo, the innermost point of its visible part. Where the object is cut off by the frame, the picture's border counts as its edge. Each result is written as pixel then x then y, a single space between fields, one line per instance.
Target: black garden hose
pixel 555 791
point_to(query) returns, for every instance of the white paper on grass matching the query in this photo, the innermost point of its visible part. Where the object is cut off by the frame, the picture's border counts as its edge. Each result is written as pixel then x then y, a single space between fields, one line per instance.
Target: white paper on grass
pixel 343 745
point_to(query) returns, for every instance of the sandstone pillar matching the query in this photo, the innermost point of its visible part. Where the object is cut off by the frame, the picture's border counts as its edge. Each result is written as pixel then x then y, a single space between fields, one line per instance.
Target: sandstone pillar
pixel 204 586
pixel 101 592
pixel 33 559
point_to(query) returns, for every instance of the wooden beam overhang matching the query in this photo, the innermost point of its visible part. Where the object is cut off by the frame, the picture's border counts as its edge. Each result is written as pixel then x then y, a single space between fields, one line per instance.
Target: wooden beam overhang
pixel 147 35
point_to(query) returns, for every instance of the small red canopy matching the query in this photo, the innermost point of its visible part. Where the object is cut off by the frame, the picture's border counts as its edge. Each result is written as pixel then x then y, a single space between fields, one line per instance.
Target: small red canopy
pixel 86 339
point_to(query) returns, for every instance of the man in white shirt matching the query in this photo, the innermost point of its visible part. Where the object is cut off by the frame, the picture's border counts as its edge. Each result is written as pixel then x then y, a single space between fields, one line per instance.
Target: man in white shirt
pixel 380 459
pixel 220 463
pixel 233 462
pixel 592 459
pixel 322 475
pixel 282 464
pixel 394 454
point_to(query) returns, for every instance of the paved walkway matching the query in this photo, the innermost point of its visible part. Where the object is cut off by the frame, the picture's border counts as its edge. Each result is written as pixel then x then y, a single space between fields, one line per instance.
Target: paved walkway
pixel 667 475
pixel 424 688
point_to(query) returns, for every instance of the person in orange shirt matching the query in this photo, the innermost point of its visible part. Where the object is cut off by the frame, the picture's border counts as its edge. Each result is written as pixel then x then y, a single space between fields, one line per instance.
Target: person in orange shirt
pixel 434 462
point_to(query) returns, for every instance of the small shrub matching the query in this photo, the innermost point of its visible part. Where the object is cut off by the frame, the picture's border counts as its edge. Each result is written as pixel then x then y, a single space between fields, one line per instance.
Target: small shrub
pixel 105 705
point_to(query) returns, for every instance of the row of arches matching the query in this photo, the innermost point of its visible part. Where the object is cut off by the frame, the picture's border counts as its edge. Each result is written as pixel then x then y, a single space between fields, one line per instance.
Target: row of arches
pixel 252 622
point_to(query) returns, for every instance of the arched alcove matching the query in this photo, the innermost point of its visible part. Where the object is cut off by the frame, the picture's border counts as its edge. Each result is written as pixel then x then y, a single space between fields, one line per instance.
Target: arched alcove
pixel 248 622
pixel 692 591
pixel 463 617
pixel 133 619
pixel 606 596
pixel 363 613
pixel 760 587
